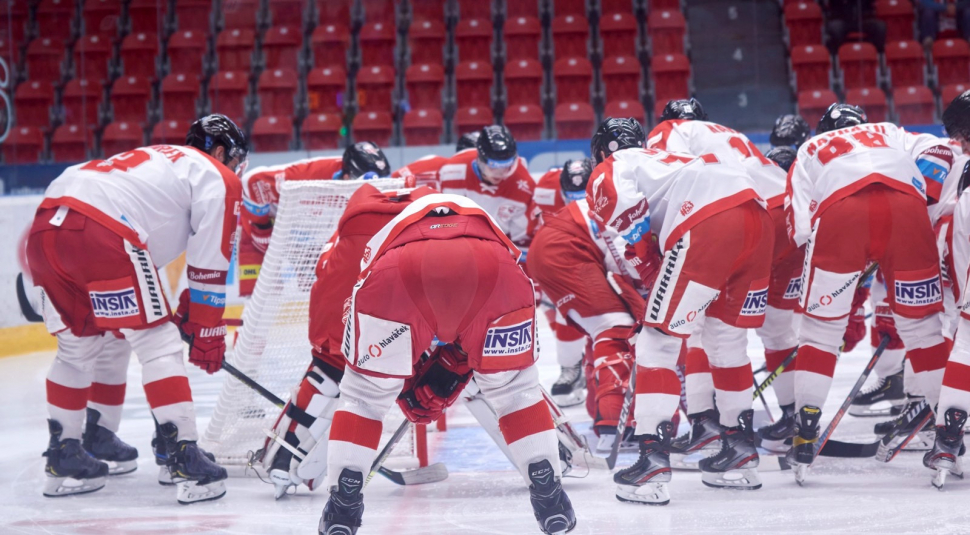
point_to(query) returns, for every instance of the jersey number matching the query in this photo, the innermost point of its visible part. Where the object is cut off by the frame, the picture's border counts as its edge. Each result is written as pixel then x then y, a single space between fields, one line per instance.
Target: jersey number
pixel 748 150
pixel 123 162
pixel 840 146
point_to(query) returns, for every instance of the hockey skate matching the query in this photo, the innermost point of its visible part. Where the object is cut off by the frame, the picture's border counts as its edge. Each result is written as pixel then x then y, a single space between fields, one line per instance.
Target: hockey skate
pixel 70 470
pixel 802 453
pixel 948 448
pixel 196 475
pixel 913 430
pixel 882 399
pixel 735 465
pixel 552 507
pixel 279 473
pixel 646 480
pixel 570 388
pixel 344 509
pixel 105 446
pixel 688 449
pixel 776 437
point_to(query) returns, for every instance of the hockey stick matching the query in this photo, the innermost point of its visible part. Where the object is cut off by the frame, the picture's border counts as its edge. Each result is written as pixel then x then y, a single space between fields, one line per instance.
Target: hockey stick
pixel 565 427
pixel 763 402
pixel 25 307
pixel 246 380
pixel 774 375
pixel 621 424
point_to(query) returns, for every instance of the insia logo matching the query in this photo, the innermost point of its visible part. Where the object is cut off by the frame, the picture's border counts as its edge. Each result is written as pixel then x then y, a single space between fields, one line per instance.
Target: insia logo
pixel 686 208
pixel 511 340
pixel 918 293
pixel 794 289
pixel 119 304
pixel 755 303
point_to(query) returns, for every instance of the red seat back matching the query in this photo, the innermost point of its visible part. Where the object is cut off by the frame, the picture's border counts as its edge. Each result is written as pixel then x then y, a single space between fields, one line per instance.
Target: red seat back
pixel 329 43
pixel 272 133
pixel 573 77
pixel 472 118
pixel 906 63
pixel 522 8
pixel 380 11
pixel 522 37
pixel 32 103
pixel 240 13
pixel 423 126
pixel 952 60
pixel 281 47
pixel 377 43
pixel 569 35
pixel 121 137
pixel 618 32
pixel 525 121
pixel 170 132
pixel 666 28
pixel 860 64
pixel 575 120
pixel 523 82
pixel 473 82
pixel 898 16
pixel 424 83
pixel 179 92
pixel 276 89
pixel 185 51
pixel 45 57
pixel 193 15
pixel 671 78
pixel 812 67
pixel 950 92
pixel 426 40
pixel 914 105
pixel 625 108
pixel 375 88
pixel 478 9
pixel 812 104
pixel 91 56
pixel 22 146
pixel 138 52
pixel 334 11
pixel 570 7
pixel 621 78
pixel 374 126
pixel 227 94
pixel 70 143
pixel 53 17
pixel 473 38
pixel 234 49
pixel 871 99
pixel 325 89
pixel 428 10
pixel 321 131
pixel 803 20
pixel 101 17
pixel 80 101
pixel 129 98
pixel 146 16
pixel 286 12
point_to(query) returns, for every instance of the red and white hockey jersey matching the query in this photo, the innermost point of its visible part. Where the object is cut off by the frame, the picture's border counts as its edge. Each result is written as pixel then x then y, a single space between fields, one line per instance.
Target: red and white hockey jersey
pixel 424 171
pixel 836 164
pixel 168 200
pixel 261 185
pixel 547 199
pixel 636 191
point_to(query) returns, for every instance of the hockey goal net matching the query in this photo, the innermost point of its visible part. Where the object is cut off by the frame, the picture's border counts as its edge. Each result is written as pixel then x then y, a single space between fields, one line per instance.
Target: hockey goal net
pixel 272 346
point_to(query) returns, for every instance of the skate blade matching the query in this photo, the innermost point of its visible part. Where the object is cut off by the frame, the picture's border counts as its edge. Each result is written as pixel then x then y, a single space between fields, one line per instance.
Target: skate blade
pixel 648 493
pixel 772 462
pixel 801 473
pixel 739 479
pixel 165 476
pixel 282 483
pixel 56 487
pixel 191 492
pixel 923 441
pixel 880 409
pixel 570 400
pixel 605 444
pixel 940 478
pixel 776 446
pixel 688 461
pixel 117 468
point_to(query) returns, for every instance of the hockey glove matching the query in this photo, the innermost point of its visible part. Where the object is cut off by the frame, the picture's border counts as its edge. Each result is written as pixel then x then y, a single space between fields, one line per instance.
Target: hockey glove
pixel 645 256
pixel 434 386
pixel 855 331
pixel 261 235
pixel 885 325
pixel 207 345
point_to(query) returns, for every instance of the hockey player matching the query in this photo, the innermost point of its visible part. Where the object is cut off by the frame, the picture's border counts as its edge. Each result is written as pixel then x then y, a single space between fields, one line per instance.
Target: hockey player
pixel 99 233
pixel 442 270
pixel 425 170
pixel 872 179
pixel 261 196
pixel 695 211
pixel 784 157
pixel 789 131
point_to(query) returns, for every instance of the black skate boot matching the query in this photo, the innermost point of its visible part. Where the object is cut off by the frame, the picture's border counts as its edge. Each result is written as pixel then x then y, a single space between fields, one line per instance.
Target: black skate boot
pixel 738 453
pixel 887 389
pixel 802 452
pixel 646 480
pixel 688 449
pixel 570 388
pixel 344 509
pixel 198 478
pixel 552 507
pixel 105 446
pixel 776 437
pixel 70 470
pixel 914 404
pixel 912 430
pixel 948 448
pixel 160 450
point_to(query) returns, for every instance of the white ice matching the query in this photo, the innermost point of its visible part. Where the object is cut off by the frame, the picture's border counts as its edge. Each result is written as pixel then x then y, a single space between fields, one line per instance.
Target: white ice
pixel 482 495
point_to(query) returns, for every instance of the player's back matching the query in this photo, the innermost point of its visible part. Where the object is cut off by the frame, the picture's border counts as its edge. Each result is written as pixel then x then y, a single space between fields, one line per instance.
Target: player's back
pixel 261 185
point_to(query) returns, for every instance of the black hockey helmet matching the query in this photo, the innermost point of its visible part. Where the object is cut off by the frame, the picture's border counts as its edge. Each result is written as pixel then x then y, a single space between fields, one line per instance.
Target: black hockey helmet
pixel 364 160
pixel 573 178
pixel 956 118
pixel 789 130
pixel 684 108
pixel 784 156
pixel 498 155
pixel 216 129
pixel 840 116
pixel 964 179
pixel 615 134
pixel 467 141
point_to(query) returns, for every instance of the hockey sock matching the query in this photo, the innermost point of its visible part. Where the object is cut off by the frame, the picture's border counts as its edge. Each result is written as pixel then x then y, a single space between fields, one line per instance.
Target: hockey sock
pixel 700 384
pixel 813 376
pixel 67 397
pixel 955 392
pixel 530 436
pixel 107 394
pixel 169 395
pixel 732 390
pixel 784 384
pixel 353 443
pixel 657 385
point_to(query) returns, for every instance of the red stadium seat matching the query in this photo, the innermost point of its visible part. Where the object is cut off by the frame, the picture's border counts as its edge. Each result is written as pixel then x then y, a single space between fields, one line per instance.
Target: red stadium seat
pixel 424 83
pixel 569 35
pixel 671 78
pixel 240 14
pixel 146 16
pixel 91 56
pixel 473 84
pixel 54 18
pixel 22 146
pixel 185 51
pixel 872 99
pixel 803 20
pixel 276 89
pixel 473 38
pixel 334 11
pixel 572 77
pixel 32 103
pixel 272 133
pixel 423 126
pixel 426 41
pixel 475 9
pixel 666 29
pixel 860 65
pixel 665 4
pixel 625 108
pixel 525 121
pixel 178 96
pixel 428 10
pixel 101 17
pixel 570 7
pixel 227 94
pixel 138 52
pixel 380 11
pixel 618 32
pixel 950 92
pixel 286 12
pixel 129 98
pixel 321 131
pixel 811 67
pixel 70 144
pixel 914 105
pixel 523 82
pixel 235 49
pixel 9 52
pixel 16 31
pixel 329 43
pixel 44 59
pixel 80 102
pixel 325 89
pixel 812 104
pixel 899 17
pixel 169 132
pixel 472 118
pixel 377 43
pixel 375 87
pixel 121 137
pixel 522 8
pixel 951 57
pixel 906 63
pixel 281 47
pixel 193 15
pixel 522 37
pixel 621 78
pixel 575 120
pixel 374 126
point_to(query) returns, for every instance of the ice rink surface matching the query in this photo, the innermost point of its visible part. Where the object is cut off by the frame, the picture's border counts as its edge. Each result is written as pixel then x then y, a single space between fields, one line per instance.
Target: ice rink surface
pixel 483 495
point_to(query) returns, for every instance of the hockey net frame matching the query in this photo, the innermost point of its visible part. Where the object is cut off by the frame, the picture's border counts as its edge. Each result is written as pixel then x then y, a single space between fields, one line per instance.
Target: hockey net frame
pixel 272 346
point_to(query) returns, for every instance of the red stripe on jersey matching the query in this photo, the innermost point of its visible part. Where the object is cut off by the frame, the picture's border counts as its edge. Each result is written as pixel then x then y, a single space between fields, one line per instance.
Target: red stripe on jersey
pixel 737 379
pixel 929 359
pixel 657 381
pixel 108 394
pixel 697 361
pixel 525 422
pixel 168 391
pixel 813 359
pixel 957 376
pixel 353 428
pixel 67 398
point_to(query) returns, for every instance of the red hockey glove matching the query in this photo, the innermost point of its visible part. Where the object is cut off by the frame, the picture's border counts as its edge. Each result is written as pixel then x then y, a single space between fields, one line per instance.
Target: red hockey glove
pixel 261 236
pixel 885 325
pixel 434 386
pixel 207 345
pixel 855 331
pixel 646 258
